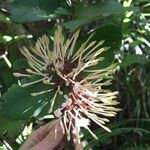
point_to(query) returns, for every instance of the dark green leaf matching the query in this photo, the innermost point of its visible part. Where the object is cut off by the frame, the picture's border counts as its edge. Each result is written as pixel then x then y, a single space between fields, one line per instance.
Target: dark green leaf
pixel 134 59
pixel 32 10
pixel 20 64
pixel 95 12
pixel 6 76
pixel 112 36
pixel 63 11
pixel 10 128
pixel 134 148
pixel 19 104
pixel 118 128
pixel 120 131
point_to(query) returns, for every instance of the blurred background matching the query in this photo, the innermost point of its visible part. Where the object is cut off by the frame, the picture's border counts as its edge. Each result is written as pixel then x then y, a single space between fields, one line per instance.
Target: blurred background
pixel 125 27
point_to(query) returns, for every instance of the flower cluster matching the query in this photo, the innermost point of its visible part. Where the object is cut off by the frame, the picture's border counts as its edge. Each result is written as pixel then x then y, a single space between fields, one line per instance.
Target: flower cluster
pixel 86 100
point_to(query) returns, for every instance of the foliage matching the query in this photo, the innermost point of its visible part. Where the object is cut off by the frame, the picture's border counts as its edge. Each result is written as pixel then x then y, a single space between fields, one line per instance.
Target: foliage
pixel 123 25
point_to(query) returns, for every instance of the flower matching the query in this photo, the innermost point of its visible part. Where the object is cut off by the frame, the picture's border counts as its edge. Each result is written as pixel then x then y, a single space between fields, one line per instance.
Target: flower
pixel 86 100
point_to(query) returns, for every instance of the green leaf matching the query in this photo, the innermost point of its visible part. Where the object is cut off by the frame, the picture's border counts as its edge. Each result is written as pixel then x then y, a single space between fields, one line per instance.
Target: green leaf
pixel 20 64
pixel 95 12
pixel 4 18
pixel 2 148
pixel 134 148
pixel 63 11
pixel 112 36
pixel 1 39
pixel 20 104
pixel 7 78
pixel 118 128
pixel 10 128
pixel 134 59
pixel 121 131
pixel 32 10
